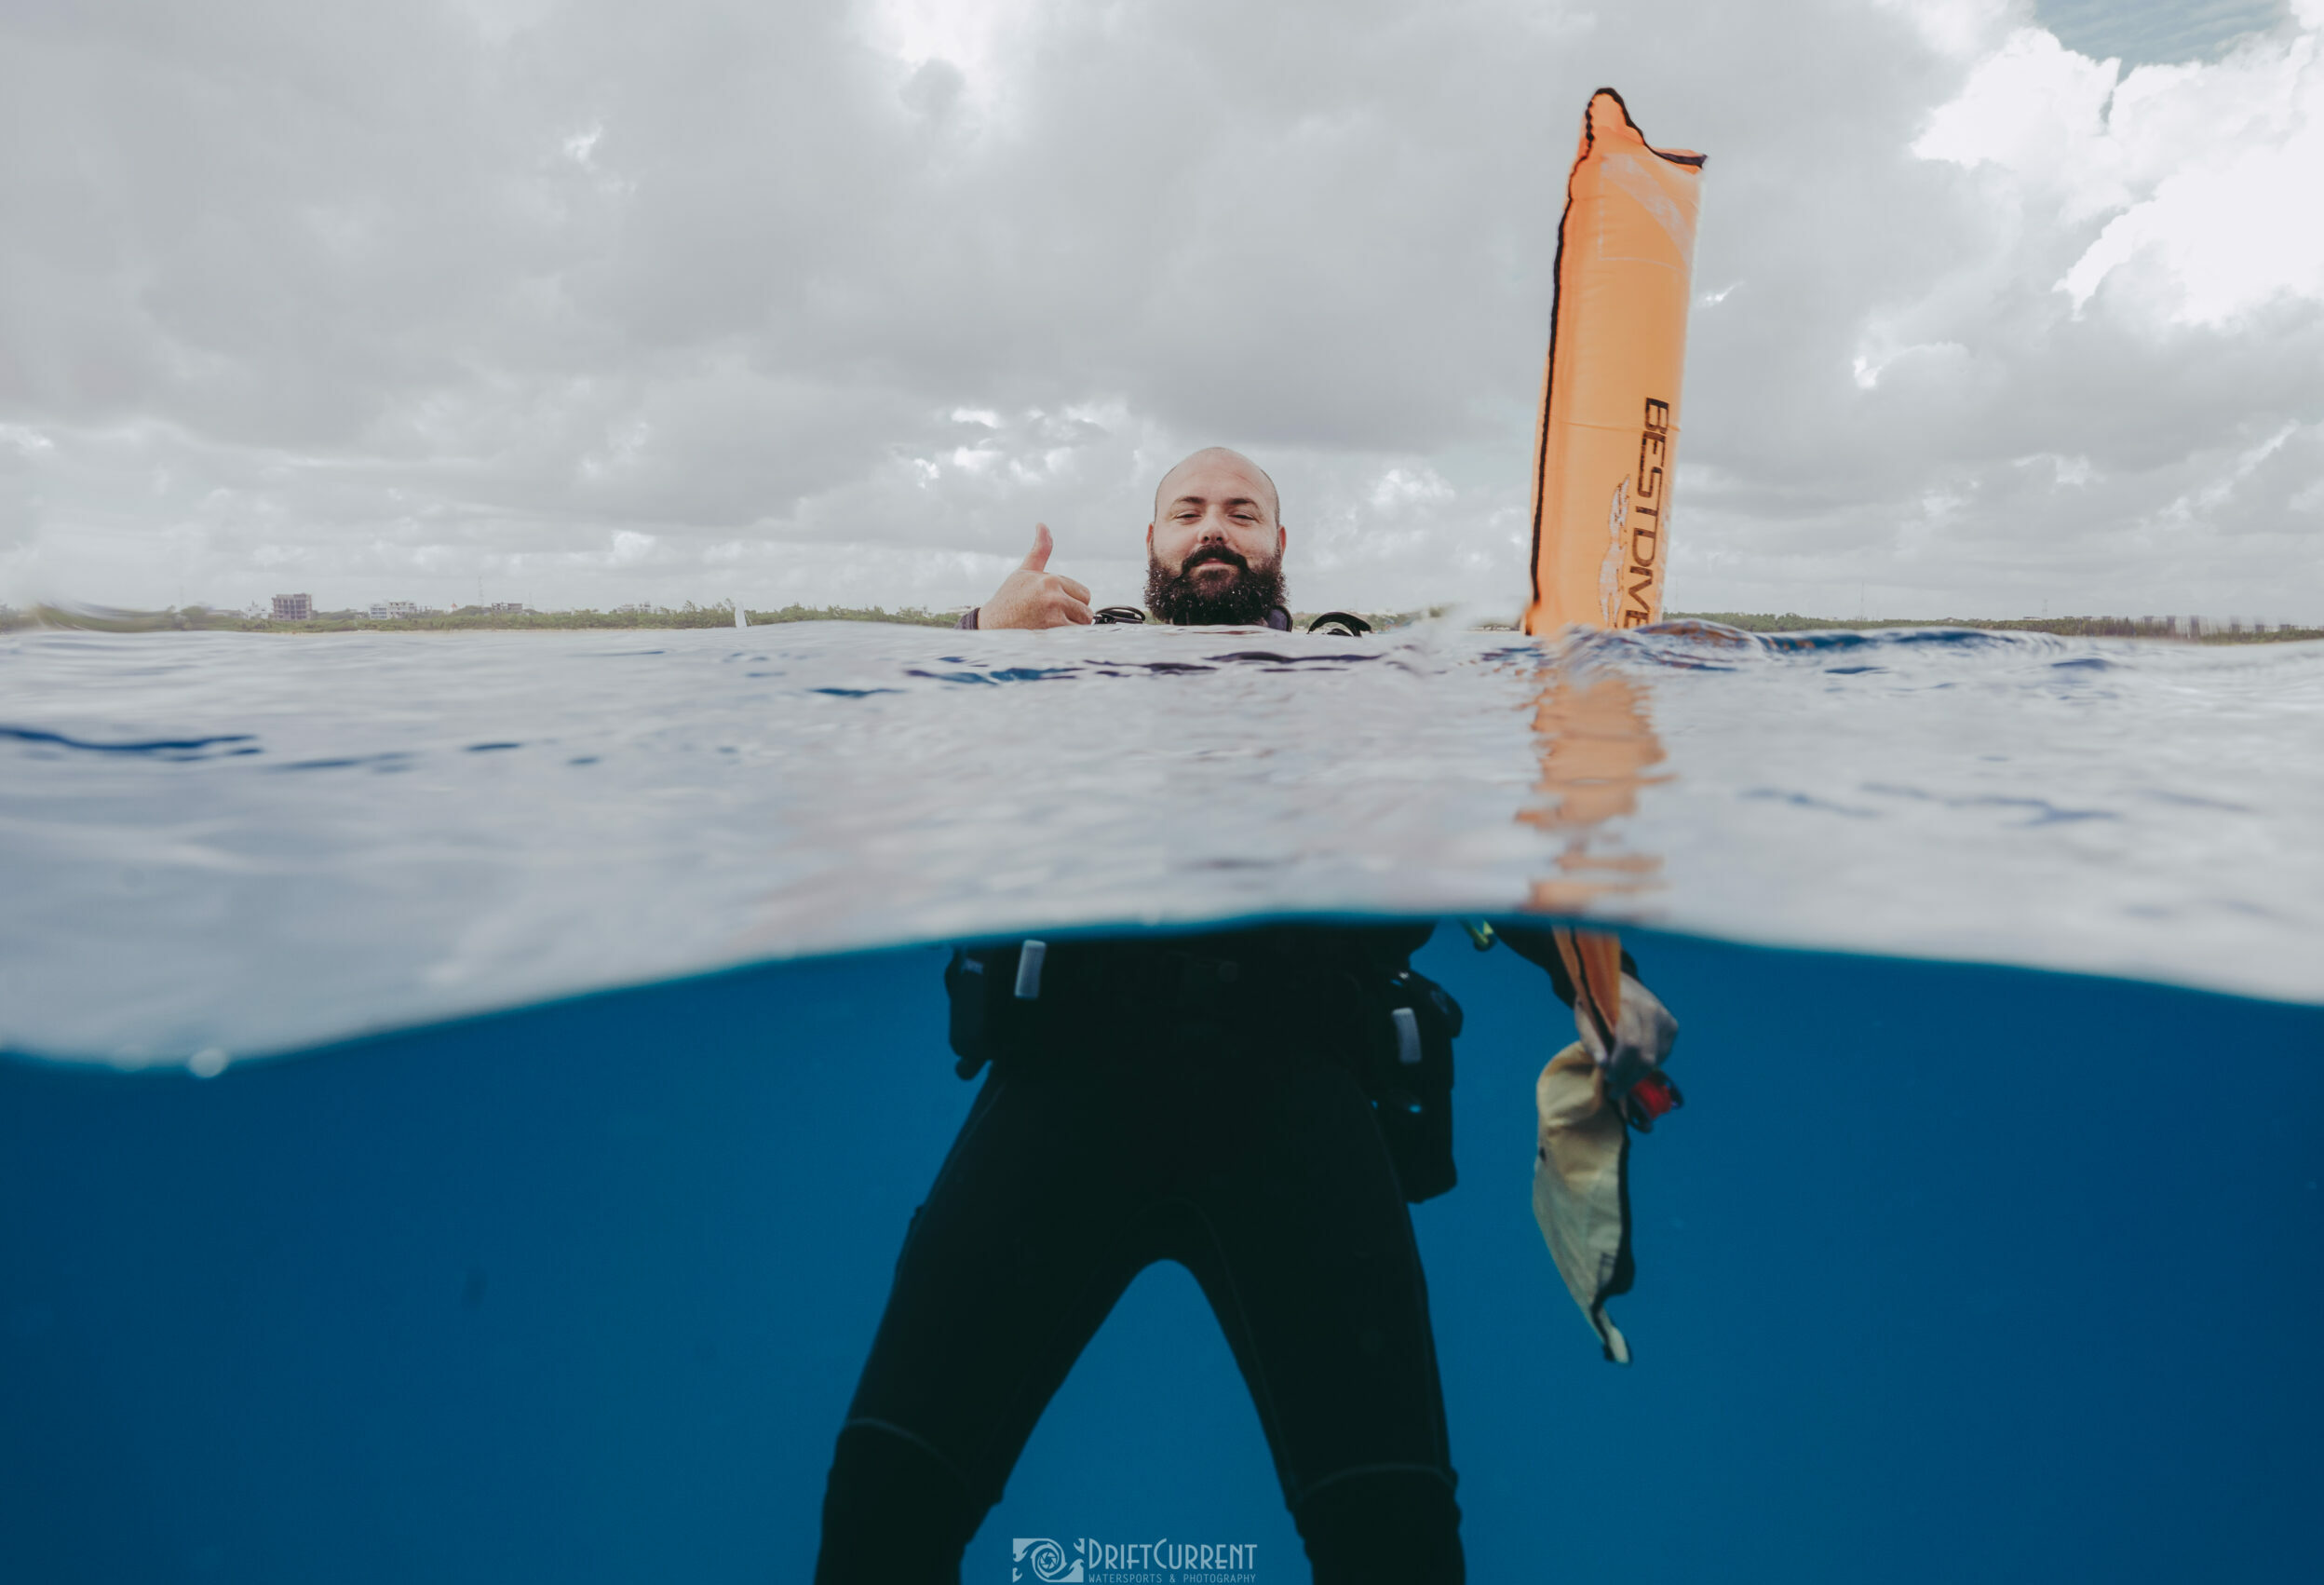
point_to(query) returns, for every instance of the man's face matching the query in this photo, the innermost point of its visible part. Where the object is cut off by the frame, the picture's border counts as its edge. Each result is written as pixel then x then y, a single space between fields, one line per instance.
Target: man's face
pixel 1214 527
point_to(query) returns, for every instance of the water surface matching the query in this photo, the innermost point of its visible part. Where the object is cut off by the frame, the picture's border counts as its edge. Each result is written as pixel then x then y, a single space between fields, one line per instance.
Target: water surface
pixel 236 843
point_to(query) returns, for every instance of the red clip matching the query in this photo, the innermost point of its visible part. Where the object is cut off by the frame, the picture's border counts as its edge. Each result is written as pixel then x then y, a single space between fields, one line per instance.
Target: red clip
pixel 1652 1097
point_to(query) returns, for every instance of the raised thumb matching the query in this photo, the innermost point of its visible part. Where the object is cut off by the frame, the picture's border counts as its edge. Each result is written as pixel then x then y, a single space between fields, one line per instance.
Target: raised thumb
pixel 1037 558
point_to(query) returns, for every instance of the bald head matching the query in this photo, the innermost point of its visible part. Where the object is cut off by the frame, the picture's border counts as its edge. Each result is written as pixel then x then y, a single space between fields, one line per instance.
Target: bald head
pixel 1217 472
pixel 1214 551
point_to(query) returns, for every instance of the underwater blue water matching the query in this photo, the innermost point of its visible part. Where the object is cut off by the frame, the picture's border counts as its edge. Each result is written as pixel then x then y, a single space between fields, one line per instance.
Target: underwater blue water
pixel 1949 1269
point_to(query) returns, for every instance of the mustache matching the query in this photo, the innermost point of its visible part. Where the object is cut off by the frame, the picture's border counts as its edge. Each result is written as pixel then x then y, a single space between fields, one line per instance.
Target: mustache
pixel 1183 597
pixel 1212 553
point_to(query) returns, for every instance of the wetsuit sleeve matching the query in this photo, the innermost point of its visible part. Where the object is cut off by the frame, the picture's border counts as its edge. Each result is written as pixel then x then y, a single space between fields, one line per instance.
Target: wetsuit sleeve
pixel 970 620
pixel 1533 943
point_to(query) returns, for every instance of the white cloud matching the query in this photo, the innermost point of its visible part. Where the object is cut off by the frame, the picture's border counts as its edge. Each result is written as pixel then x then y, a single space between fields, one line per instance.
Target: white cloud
pixel 2037 109
pixel 1962 29
pixel 2209 172
pixel 967 32
pixel 834 300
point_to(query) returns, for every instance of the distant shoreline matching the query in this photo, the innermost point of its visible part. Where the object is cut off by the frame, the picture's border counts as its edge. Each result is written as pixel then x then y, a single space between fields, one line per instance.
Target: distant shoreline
pixel 470 619
pixel 479 620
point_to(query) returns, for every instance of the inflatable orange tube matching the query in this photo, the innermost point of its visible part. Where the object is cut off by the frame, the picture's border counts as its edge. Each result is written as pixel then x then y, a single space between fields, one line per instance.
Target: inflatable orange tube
pixel 1609 423
pixel 1606 448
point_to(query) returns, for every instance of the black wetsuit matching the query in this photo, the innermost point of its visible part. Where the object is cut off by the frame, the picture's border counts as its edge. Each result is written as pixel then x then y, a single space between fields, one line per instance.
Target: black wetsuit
pixel 1278 619
pixel 1231 1132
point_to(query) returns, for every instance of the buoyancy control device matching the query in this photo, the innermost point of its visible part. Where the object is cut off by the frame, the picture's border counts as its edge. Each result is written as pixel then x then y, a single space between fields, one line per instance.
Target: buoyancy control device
pixel 1030 1003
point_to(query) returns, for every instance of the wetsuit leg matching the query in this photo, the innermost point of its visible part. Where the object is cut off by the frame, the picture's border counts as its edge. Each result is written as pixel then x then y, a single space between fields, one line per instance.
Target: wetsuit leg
pixel 1382 1527
pixel 1011 1264
pixel 1299 1234
pixel 1268 1178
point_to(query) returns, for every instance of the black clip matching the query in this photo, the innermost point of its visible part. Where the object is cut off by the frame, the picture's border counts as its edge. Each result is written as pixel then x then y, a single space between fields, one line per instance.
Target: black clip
pixel 965 983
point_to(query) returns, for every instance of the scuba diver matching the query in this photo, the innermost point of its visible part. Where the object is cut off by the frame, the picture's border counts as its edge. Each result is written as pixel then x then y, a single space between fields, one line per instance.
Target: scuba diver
pixel 1259 1105
pixel 1214 557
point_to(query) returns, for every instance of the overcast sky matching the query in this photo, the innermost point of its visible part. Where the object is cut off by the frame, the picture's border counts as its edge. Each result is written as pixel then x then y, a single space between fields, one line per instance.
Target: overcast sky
pixel 1999 306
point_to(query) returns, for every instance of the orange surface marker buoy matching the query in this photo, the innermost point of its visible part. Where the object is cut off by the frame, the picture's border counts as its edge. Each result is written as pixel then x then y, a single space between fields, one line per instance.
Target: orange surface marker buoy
pixel 1602 466
pixel 1608 432
pixel 1593 962
pixel 1609 424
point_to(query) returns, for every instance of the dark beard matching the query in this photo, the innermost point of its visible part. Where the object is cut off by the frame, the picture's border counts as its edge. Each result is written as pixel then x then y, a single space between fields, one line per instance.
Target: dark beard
pixel 1244 601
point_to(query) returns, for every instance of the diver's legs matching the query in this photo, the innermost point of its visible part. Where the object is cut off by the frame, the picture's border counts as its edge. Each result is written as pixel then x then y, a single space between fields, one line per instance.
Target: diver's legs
pixel 1301 1237
pixel 1010 1265
pixel 894 1509
pixel 1266 1176
pixel 1382 1527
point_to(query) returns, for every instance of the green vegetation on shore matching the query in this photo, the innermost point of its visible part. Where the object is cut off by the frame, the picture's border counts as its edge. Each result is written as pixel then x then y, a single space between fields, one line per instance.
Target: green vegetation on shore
pixel 473 618
pixel 468 618
pixel 2204 630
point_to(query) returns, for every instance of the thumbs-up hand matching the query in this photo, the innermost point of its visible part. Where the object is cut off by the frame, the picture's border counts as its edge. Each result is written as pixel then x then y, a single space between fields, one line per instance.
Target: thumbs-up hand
pixel 1034 597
